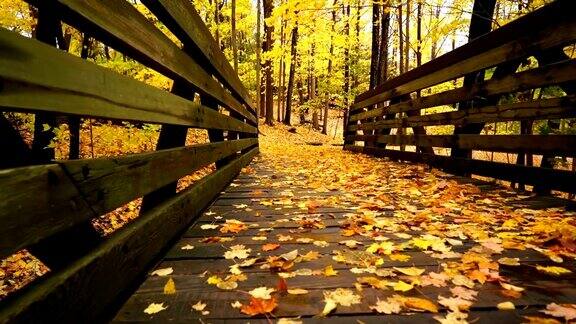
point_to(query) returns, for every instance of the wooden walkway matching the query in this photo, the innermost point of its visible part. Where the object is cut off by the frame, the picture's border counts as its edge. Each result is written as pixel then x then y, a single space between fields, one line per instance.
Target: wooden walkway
pixel 242 201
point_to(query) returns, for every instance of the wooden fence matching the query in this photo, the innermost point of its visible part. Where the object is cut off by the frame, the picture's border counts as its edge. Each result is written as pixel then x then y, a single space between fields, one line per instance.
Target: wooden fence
pixel 382 116
pixel 46 206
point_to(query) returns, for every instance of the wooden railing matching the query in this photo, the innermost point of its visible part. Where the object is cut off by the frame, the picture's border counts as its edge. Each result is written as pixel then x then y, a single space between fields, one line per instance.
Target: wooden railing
pixel 381 117
pixel 46 206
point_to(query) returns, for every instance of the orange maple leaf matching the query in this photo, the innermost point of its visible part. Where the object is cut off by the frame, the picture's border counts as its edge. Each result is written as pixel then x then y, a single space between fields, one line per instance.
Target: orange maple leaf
pixel 259 306
pixel 270 247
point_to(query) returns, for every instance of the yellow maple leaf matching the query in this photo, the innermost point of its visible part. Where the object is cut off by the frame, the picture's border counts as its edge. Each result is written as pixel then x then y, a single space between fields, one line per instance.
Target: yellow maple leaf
pixel 329 271
pixel 412 271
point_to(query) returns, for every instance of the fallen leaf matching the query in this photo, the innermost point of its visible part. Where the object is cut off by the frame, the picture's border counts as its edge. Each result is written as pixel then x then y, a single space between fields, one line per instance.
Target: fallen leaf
pixel 420 304
pixel 270 247
pixel 388 306
pixel 297 291
pixel 329 271
pixel 170 287
pixel 187 247
pixel 262 292
pixel 566 311
pixel 553 270
pixel 259 306
pixel 162 272
pixel 505 306
pixel 154 308
pixel 402 286
pixel 412 271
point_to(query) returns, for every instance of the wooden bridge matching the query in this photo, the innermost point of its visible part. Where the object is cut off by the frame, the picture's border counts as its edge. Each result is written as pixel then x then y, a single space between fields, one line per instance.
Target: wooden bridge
pixel 46 205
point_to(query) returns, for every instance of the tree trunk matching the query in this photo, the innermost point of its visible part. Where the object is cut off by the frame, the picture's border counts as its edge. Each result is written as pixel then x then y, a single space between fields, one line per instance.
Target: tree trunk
pixel 293 60
pixel 407 45
pixel 329 74
pixel 280 74
pixel 374 58
pixel 419 34
pixel 400 40
pixel 259 75
pixel 234 47
pixel 268 7
pixel 383 59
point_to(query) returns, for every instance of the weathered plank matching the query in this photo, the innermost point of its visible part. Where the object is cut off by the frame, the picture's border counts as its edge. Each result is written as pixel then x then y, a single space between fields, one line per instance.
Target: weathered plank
pixel 530 110
pixel 558 179
pixel 92 284
pixel 560 145
pixel 183 20
pixel 120 25
pixel 35 202
pixel 546 28
pixel 70 85
pixel 79 190
pixel 534 78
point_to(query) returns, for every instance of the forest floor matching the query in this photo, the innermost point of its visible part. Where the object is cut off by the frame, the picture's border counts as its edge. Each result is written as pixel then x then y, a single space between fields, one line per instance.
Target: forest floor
pixel 466 229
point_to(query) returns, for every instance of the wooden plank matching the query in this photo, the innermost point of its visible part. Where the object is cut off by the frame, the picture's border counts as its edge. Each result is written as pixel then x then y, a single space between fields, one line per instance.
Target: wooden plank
pixel 560 145
pixel 37 200
pixel 548 27
pixel 109 183
pixel 91 285
pixel 558 179
pixel 120 25
pixel 530 110
pixel 78 190
pixel 183 20
pixel 70 85
pixel 531 79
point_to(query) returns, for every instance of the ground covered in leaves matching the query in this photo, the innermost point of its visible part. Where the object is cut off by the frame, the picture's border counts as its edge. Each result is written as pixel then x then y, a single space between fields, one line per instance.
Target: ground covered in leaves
pixel 312 231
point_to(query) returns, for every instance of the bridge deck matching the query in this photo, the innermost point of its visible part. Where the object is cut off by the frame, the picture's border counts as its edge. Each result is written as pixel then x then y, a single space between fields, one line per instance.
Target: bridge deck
pixel 246 200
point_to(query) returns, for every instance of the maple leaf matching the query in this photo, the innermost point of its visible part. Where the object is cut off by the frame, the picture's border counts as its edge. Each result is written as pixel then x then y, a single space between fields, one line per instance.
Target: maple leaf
pixel 233 226
pixel 237 251
pixel 170 287
pixel 290 256
pixel 154 308
pixel 270 247
pixel 262 292
pixel 311 256
pixel 259 306
pixel 329 271
pixel 199 307
pixel 162 272
pixel 208 226
pixel 509 261
pixel 553 270
pixel 464 293
pixel 566 311
pixel 281 286
pixel 374 282
pixel 388 306
pixel 454 304
pixel 340 296
pixel 297 291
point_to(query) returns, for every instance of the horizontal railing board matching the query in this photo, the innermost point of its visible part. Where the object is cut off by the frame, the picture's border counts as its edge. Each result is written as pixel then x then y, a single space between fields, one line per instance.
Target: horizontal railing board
pixel 90 285
pixel 561 145
pixel 119 24
pixel 535 78
pixel 38 77
pixel 35 202
pixel 185 22
pixel 78 190
pixel 549 27
pixel 564 107
pixel 551 178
